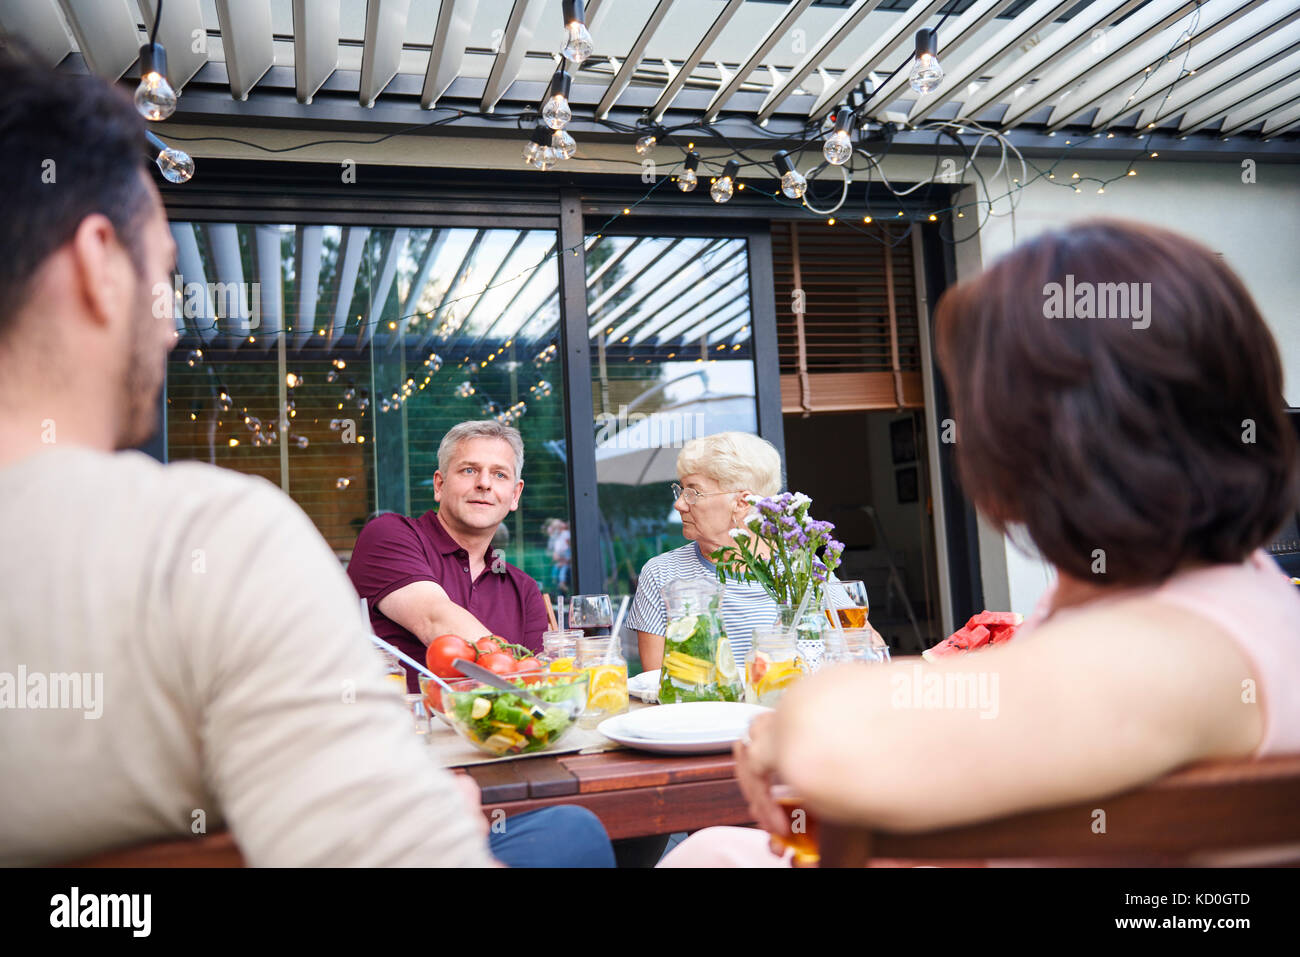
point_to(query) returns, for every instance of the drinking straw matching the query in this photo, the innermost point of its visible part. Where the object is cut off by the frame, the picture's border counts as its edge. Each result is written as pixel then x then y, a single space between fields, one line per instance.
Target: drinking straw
pixel 559 604
pixel 410 661
pixel 550 613
pixel 622 610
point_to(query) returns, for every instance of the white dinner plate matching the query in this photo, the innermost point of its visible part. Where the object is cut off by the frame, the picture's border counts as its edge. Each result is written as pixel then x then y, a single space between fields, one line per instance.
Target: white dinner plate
pixel 644 686
pixel 695 727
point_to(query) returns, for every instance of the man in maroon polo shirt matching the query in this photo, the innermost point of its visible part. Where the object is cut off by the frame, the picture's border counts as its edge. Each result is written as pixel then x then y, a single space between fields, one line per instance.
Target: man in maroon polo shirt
pixel 436 574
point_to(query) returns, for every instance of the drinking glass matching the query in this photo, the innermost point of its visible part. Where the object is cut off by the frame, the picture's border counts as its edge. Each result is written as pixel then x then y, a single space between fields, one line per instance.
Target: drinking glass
pixel 592 614
pixel 855 614
pixel 802 837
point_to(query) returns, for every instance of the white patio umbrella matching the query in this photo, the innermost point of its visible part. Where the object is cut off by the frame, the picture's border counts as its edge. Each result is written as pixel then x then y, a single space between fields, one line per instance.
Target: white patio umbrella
pixel 644 448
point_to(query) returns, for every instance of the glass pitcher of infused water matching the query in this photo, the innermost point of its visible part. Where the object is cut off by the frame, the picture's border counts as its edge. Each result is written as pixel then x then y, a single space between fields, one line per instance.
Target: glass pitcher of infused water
pixel 698 664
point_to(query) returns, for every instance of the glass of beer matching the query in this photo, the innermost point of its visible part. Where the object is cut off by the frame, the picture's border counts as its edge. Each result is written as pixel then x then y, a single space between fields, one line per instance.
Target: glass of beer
pixel 853 615
pixel 802 835
pixel 592 614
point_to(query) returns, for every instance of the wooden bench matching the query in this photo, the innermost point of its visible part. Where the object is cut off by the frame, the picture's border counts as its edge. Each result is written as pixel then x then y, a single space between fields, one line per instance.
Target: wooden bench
pixel 1230 813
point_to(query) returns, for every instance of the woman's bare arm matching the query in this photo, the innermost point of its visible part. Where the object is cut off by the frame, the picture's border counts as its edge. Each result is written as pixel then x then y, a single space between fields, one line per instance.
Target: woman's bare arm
pixel 651 649
pixel 1080 709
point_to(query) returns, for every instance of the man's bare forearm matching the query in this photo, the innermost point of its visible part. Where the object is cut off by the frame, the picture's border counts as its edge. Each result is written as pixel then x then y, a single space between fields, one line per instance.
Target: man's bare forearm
pixel 426 611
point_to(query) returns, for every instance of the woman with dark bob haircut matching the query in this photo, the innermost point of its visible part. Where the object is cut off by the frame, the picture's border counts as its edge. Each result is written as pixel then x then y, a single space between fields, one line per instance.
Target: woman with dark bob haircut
pixel 1117 397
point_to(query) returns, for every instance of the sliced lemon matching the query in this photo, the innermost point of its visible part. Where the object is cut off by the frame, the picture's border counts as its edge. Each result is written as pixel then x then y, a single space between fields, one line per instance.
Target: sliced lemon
pixel 682 628
pixel 562 664
pixel 606 676
pixel 780 676
pixel 725 661
pixel 608 699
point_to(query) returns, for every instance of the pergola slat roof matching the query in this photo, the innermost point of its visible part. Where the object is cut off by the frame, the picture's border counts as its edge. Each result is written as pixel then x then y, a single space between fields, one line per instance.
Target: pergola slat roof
pixel 1097 63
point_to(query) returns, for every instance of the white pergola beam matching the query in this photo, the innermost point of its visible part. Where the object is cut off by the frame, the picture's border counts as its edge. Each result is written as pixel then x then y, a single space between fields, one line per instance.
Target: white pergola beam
pixel 1204 61
pixel 951 39
pixel 381 52
pixel 106 33
pixel 627 326
pixel 411 304
pixel 1281 122
pixel 447 51
pixel 190 264
pixel 40 24
pixel 1284 97
pixel 379 291
pixel 223 242
pixel 593 310
pixel 1145 24
pixel 466 263
pixel 824 47
pixel 270 284
pixel 315 46
pixel 354 245
pixel 1212 88
pixel 1028 23
pixel 1150 55
pixel 308 242
pixel 678 79
pixel 524 17
pixel 246 40
pixel 1094 17
pixel 180 32
pixel 624 75
pixel 1254 86
pixel 731 82
pixel 678 328
pixel 901 30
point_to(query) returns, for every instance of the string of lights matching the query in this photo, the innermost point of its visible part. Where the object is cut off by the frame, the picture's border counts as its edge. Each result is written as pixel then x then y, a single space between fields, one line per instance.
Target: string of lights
pixel 551 143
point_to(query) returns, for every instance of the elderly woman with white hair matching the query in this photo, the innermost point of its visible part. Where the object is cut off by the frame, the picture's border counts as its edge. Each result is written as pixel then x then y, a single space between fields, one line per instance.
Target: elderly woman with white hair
pixel 715 474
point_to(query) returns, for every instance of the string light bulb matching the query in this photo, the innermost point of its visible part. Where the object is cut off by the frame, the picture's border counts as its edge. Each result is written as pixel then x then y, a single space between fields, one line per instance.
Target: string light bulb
pixel 176 165
pixel 688 177
pixel 564 145
pixel 793 183
pixel 926 73
pixel 724 186
pixel 838 147
pixel 154 97
pixel 555 110
pixel 578 43
pixel 645 145
pixel 538 152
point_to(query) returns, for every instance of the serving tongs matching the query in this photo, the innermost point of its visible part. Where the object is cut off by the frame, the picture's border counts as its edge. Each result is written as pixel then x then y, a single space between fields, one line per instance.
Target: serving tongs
pixel 536 706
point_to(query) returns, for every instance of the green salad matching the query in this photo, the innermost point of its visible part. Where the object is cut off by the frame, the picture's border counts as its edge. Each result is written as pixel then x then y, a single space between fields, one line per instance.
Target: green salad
pixel 503 723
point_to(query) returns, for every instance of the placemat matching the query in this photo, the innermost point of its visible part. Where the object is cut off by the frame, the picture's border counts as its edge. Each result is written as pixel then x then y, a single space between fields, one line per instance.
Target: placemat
pixel 450 750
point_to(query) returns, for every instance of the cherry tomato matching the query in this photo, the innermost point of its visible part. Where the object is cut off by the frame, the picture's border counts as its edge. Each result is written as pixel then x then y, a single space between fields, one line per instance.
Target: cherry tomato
pixel 445 649
pixel 527 664
pixel 498 662
pixel 487 645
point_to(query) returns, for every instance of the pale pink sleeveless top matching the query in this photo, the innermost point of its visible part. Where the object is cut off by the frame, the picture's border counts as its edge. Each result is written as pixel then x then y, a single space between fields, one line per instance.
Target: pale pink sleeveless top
pixel 1257 605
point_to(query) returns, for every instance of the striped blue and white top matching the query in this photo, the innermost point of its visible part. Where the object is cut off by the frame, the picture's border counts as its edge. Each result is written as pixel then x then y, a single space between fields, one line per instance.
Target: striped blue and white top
pixel 745 605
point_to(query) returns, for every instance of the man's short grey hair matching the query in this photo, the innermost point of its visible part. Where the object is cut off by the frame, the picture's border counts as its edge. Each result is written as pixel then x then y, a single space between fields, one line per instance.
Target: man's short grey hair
pixel 483 429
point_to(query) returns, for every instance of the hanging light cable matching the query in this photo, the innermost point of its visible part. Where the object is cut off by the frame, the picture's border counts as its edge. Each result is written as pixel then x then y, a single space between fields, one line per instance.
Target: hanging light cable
pixel 154 97
pixel 175 165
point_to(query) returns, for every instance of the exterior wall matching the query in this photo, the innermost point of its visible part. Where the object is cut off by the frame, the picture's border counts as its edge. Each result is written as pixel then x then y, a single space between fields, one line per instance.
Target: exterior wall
pixel 1256 226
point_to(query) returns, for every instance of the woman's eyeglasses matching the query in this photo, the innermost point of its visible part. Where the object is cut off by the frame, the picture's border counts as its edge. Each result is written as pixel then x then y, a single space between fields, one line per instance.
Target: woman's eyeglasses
pixel 693 496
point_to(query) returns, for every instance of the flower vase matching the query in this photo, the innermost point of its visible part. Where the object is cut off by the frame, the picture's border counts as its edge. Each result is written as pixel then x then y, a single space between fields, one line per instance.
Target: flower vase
pixel 809 641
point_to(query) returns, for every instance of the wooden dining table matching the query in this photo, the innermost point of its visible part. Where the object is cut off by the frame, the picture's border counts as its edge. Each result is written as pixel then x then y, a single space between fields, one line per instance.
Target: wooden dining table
pixel 635 794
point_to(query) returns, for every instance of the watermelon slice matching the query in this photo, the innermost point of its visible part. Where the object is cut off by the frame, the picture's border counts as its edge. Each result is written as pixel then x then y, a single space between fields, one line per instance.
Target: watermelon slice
pixel 985 628
pixel 995 618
